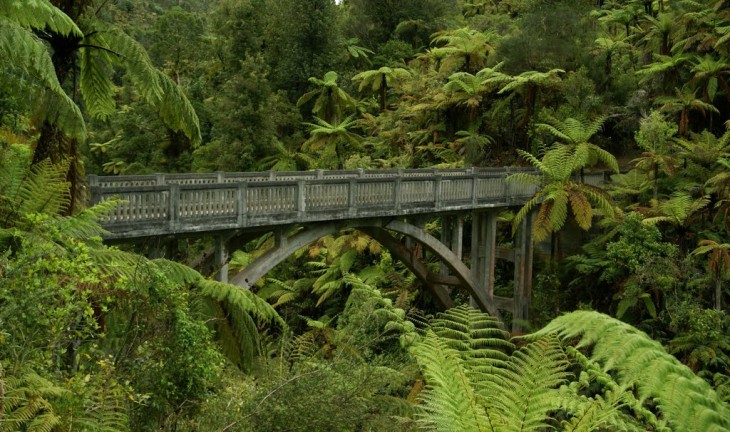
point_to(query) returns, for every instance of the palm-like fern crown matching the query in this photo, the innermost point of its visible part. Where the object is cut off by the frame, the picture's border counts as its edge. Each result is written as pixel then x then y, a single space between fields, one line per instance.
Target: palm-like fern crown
pixel 705 148
pixel 576 133
pixel 100 47
pixel 560 195
pixel 677 210
pixel 379 77
pixel 532 79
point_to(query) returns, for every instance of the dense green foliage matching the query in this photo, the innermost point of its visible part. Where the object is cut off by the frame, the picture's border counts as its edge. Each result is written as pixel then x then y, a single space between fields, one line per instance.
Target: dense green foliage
pixel 342 337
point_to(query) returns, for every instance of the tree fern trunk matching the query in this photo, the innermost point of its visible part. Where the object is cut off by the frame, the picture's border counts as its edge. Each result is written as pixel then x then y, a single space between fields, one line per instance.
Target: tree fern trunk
pixel 718 295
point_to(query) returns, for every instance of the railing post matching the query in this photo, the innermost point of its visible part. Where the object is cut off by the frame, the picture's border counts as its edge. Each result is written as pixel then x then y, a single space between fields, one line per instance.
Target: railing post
pixel 301 199
pixel 474 183
pixel 241 204
pixel 159 179
pixel 94 189
pixel 437 191
pixel 397 199
pixel 351 197
pixel 272 175
pixel 173 210
pixel 220 176
pixel 319 174
pixel 507 189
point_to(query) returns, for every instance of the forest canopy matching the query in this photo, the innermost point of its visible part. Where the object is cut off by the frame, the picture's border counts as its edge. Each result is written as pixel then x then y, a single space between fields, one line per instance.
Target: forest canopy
pixel 629 321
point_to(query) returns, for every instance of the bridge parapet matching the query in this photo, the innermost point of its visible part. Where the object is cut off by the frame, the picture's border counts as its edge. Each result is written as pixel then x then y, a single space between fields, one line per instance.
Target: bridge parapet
pixel 162 204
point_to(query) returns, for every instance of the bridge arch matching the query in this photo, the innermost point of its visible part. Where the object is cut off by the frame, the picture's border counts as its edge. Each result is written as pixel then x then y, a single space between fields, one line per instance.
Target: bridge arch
pixel 380 230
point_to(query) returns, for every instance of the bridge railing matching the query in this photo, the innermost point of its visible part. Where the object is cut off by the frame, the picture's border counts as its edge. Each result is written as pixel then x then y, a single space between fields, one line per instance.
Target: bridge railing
pixel 175 203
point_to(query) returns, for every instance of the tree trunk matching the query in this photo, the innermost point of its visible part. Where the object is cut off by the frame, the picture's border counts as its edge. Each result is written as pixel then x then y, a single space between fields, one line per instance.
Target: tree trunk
pixel 683 123
pixel 718 293
pixel 52 143
pixel 383 94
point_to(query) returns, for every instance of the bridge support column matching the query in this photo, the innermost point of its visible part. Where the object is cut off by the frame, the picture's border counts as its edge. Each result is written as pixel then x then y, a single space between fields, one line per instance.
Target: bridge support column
pixel 452 235
pixel 484 251
pixel 523 252
pixel 452 232
pixel 221 259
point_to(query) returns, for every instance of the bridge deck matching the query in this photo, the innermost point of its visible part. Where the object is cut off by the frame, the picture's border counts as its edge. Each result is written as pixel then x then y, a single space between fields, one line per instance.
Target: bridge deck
pixel 165 204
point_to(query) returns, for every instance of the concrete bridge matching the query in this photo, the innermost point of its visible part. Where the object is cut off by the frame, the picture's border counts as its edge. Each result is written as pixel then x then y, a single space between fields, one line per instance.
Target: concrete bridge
pixel 301 207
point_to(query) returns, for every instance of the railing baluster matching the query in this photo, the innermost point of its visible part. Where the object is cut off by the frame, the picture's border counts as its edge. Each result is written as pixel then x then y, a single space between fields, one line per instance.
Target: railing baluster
pixel 228 200
pixel 173 209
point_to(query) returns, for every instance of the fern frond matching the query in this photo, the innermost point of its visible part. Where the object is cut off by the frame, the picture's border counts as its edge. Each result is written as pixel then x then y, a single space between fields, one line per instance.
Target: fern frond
pixel 581 208
pixel 156 88
pixel 449 402
pixel 526 179
pixel 685 400
pixel 27 403
pixel 242 299
pixel 45 190
pixel 39 15
pixel 559 210
pixel 525 210
pixel 132 55
pixel 479 338
pixel 346 260
pixel 543 226
pixel 119 263
pixel 177 112
pixel 85 224
pixel 527 386
pixel 537 163
pixel 593 374
pixel 27 57
pixel 236 332
pixel 95 82
pixel 179 274
pixel 553 131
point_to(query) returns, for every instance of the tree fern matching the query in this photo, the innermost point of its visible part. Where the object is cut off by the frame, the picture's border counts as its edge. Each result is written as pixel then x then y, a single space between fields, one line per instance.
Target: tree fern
pixel 559 195
pixel 27 58
pixel 685 401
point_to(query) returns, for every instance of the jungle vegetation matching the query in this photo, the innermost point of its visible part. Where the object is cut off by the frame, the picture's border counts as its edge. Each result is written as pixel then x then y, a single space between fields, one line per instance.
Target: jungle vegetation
pixel 630 309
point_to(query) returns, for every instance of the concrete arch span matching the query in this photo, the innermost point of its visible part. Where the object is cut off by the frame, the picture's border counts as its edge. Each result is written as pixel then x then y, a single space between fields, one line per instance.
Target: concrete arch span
pixel 379 229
